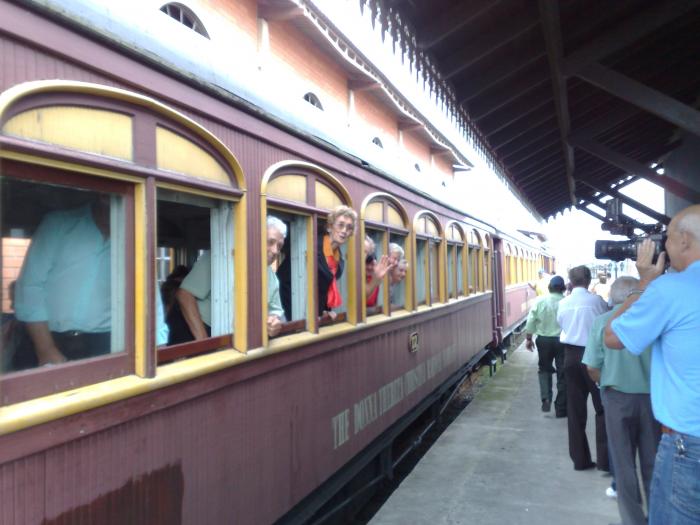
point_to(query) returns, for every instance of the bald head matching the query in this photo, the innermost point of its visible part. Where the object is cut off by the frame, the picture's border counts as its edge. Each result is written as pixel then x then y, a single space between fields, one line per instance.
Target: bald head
pixel 688 221
pixel 683 238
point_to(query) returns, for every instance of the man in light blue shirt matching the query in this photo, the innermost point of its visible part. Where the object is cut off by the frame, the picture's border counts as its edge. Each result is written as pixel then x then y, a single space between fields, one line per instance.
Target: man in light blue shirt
pixel 665 312
pixel 63 293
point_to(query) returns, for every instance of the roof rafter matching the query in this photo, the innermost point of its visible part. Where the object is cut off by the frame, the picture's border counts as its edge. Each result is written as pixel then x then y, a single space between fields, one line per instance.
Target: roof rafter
pixel 549 11
pixel 632 166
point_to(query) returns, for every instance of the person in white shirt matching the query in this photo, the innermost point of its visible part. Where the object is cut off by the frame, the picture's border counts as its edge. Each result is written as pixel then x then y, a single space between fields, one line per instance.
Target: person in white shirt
pixel 575 316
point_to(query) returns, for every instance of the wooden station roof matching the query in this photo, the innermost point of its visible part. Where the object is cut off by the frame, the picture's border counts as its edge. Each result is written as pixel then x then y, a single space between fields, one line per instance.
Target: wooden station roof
pixel 571 96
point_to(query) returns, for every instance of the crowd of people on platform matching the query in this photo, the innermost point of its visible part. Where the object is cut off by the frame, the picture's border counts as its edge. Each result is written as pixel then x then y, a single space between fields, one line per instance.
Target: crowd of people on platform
pixel 633 346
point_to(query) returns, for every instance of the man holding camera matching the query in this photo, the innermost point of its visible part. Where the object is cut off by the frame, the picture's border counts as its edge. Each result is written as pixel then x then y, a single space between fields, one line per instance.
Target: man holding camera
pixel 665 312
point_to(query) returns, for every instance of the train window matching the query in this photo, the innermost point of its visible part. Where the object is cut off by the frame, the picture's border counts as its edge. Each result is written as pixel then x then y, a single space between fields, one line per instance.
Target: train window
pixel 375 249
pixel 422 274
pixel 474 262
pixel 290 269
pixel 385 223
pixel 185 16
pixel 428 260
pixel 70 300
pixel 451 270
pixel 306 198
pixel 397 276
pixel 488 269
pixel 455 261
pixel 434 249
pixel 197 291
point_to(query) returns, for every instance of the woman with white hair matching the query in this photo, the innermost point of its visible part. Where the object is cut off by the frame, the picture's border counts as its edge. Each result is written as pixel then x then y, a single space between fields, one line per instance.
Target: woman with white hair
pixel 339 228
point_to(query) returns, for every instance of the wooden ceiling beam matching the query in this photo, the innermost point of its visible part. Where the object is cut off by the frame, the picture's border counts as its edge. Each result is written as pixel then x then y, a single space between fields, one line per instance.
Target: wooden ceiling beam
pixel 549 12
pixel 484 43
pixel 642 96
pixel 494 99
pixel 504 137
pixel 450 21
pixel 633 167
pixel 627 33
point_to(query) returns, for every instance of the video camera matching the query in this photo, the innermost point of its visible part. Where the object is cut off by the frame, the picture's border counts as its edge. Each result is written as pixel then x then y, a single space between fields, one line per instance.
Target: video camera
pixel 618 224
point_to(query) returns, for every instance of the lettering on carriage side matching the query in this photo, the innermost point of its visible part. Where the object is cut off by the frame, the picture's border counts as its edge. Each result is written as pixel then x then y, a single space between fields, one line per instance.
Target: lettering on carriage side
pixel 390 395
pixel 341 428
pixel 365 412
pixel 371 407
pixel 434 365
pixel 414 378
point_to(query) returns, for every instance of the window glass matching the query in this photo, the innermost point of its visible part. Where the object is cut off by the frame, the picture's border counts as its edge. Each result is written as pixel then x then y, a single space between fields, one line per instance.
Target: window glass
pixel 460 270
pixel 195 245
pixel 434 248
pixel 451 270
pixel 421 270
pixel 397 276
pixel 64 273
pixel 487 270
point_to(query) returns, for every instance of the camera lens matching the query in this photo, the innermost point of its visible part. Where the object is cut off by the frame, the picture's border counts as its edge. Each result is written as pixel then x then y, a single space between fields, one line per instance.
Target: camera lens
pixel 616 250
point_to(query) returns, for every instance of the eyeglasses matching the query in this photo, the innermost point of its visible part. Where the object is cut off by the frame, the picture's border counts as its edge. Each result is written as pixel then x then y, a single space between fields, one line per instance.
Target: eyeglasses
pixel 344 226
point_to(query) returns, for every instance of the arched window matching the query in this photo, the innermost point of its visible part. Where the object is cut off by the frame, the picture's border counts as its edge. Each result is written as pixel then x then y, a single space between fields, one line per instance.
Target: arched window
pixel 185 16
pixel 378 142
pixel 105 190
pixel 302 195
pixel 428 258
pixel 385 223
pixel 312 99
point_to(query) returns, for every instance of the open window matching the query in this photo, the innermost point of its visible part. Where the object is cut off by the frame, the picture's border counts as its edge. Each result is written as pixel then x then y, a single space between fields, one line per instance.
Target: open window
pixel 428 259
pixel 385 222
pixel 197 291
pixel 303 197
pixel 130 164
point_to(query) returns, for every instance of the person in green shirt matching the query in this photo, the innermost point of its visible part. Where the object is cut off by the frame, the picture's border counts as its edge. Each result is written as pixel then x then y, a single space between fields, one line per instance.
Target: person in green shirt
pixel 542 321
pixel 623 378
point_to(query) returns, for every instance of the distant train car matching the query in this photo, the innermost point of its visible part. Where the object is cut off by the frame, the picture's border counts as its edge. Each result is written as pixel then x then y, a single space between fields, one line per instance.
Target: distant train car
pixel 114 174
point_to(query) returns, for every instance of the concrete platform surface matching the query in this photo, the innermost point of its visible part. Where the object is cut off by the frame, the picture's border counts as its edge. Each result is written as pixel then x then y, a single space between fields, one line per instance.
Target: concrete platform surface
pixel 503 461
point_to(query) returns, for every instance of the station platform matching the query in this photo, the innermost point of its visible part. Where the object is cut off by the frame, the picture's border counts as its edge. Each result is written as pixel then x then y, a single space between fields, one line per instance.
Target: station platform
pixel 503 461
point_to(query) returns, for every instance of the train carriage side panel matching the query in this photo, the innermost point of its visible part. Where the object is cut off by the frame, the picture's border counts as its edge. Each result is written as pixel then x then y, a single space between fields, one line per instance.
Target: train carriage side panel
pixel 248 442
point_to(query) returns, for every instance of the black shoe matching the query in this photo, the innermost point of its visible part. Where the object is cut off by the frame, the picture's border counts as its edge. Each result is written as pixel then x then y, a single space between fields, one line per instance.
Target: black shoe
pixel 585 467
pixel 560 415
pixel 546 405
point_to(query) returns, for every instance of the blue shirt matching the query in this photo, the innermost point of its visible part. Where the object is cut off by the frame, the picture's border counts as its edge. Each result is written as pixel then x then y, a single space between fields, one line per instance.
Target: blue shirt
pixel 66 277
pixel 667 316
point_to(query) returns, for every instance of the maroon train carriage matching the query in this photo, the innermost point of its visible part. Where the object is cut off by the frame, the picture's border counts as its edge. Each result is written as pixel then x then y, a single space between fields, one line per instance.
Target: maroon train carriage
pixel 238 427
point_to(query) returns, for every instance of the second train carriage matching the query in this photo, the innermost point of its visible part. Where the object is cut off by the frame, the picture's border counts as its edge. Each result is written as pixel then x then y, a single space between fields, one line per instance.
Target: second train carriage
pixel 239 426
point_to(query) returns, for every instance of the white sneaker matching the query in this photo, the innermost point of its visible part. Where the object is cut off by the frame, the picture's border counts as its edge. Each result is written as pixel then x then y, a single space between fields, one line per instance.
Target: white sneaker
pixel 611 492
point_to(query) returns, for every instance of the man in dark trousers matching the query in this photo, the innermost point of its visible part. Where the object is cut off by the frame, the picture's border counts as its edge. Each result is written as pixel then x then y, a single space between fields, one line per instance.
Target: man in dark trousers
pixel 624 385
pixel 575 316
pixel 542 321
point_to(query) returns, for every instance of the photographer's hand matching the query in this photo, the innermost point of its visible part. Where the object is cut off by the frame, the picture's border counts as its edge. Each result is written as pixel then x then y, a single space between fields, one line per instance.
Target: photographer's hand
pixel 648 271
